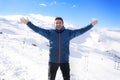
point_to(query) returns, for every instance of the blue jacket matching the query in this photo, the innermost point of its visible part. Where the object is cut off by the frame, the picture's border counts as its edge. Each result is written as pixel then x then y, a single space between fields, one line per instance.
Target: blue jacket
pixel 59 41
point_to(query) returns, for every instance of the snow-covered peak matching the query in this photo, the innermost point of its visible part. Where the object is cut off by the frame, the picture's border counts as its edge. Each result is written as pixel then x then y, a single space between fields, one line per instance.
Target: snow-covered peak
pixel 37 19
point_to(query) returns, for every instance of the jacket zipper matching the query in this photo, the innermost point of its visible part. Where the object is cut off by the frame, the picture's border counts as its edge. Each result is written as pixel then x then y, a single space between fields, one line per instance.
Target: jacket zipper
pixel 58 47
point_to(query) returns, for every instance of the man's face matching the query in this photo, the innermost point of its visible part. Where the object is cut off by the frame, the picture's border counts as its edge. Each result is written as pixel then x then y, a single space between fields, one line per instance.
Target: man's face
pixel 58 24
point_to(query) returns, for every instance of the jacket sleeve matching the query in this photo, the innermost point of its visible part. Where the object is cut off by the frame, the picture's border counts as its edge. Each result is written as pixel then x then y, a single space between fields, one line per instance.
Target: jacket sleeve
pixel 43 32
pixel 77 32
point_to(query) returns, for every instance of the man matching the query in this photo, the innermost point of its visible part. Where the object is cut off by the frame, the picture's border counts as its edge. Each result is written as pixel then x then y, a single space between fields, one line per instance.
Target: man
pixel 59 40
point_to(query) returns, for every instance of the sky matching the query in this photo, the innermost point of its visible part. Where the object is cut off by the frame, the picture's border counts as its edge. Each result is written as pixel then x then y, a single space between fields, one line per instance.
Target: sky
pixel 76 12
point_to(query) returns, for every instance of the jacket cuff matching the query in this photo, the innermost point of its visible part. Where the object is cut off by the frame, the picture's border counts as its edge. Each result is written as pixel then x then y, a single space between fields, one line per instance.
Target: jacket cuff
pixel 28 23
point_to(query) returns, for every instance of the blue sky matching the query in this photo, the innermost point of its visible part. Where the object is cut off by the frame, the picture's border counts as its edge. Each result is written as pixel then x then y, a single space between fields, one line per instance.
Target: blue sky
pixel 77 12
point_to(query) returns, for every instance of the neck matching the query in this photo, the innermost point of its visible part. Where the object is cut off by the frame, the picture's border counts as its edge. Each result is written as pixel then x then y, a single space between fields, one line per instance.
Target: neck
pixel 60 30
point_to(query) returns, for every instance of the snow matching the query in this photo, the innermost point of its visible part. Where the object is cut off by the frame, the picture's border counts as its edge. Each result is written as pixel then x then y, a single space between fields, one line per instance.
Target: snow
pixel 24 54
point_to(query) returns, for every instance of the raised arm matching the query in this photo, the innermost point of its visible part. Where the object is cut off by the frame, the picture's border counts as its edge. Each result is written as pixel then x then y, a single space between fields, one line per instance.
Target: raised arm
pixel 43 32
pixel 77 32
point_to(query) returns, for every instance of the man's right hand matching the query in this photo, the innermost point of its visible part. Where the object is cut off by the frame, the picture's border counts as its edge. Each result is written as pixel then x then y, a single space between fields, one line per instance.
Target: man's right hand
pixel 23 20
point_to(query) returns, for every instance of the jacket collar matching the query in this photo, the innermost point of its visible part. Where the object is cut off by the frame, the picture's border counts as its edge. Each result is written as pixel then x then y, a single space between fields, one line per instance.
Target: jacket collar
pixel 61 30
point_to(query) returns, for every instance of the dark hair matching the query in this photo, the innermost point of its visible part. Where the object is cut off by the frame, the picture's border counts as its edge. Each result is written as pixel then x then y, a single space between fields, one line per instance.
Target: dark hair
pixel 59 18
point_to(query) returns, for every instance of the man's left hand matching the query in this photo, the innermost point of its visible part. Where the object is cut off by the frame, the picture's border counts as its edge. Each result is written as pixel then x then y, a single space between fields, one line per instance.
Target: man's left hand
pixel 94 22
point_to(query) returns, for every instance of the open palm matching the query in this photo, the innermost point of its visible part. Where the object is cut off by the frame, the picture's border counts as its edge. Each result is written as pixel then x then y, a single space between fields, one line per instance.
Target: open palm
pixel 24 20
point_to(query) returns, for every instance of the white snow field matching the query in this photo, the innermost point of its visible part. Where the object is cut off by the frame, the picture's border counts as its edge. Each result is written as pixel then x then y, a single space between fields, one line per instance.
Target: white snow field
pixel 24 54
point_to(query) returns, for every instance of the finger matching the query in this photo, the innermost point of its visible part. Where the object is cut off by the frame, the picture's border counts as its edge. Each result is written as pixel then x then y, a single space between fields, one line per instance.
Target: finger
pixel 27 19
pixel 23 20
pixel 95 22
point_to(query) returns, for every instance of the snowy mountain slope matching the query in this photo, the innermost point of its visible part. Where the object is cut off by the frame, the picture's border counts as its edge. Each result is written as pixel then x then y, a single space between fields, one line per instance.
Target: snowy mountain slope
pixel 24 54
